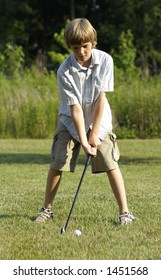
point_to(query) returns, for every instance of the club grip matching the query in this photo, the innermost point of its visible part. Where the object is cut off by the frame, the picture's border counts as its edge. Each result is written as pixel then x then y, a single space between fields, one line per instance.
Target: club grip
pixel 88 159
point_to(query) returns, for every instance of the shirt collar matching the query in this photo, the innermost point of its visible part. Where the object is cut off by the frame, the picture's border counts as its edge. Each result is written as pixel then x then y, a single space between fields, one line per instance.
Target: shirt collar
pixel 76 67
pixel 95 58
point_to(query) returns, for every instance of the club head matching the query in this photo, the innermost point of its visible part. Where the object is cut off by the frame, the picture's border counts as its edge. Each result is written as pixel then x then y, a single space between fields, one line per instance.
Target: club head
pixel 63 230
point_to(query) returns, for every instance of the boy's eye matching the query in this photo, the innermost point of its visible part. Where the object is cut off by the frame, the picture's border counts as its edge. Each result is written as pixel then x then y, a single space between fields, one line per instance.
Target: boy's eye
pixel 78 47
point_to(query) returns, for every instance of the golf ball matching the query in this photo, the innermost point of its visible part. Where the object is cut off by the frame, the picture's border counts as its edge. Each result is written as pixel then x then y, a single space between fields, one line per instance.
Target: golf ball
pixel 77 232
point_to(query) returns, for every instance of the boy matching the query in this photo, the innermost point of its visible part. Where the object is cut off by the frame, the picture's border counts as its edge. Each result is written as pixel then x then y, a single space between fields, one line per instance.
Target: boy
pixel 84 117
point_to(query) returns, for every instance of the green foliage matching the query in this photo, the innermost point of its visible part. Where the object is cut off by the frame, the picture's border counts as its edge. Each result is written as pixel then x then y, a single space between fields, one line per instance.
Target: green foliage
pixel 59 38
pixel 14 59
pixel 136 106
pixel 29 105
pixel 125 58
pixel 30 102
pixel 11 61
pixel 56 57
pixel 2 59
pixel 31 24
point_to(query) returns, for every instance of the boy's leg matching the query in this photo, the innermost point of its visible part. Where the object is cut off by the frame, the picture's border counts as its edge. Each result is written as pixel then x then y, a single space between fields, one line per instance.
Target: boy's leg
pixel 106 161
pixel 52 184
pixel 64 154
pixel 53 181
pixel 117 184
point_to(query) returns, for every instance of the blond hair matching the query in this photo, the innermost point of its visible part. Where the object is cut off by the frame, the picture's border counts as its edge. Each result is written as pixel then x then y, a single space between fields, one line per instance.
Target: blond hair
pixel 80 31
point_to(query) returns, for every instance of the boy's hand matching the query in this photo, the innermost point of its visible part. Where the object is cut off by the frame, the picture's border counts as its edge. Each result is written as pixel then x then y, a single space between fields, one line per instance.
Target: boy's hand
pixel 89 150
pixel 94 141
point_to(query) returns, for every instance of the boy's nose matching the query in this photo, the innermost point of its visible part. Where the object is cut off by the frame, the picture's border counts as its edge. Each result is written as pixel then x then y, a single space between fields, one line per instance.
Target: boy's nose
pixel 81 50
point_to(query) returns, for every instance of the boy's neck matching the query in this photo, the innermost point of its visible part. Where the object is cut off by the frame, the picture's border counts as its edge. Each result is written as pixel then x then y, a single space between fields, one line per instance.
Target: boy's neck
pixel 85 63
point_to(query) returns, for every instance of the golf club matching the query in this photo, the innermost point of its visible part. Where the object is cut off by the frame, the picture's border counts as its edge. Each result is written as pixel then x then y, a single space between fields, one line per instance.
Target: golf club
pixel 63 229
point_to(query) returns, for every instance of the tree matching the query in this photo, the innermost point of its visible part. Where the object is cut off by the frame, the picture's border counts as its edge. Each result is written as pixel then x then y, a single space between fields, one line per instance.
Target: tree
pixel 125 58
pixel 32 23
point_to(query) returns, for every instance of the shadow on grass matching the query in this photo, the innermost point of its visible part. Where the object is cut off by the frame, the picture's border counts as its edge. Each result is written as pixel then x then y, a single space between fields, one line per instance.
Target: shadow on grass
pixel 24 158
pixel 141 160
pixel 30 158
pixel 129 160
pixel 45 159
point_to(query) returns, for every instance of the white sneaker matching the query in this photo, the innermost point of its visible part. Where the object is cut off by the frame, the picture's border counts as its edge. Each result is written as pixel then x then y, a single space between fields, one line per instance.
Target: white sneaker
pixel 126 218
pixel 44 215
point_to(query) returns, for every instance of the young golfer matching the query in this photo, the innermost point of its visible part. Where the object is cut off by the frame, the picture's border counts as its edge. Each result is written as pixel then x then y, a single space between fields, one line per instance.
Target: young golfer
pixel 84 117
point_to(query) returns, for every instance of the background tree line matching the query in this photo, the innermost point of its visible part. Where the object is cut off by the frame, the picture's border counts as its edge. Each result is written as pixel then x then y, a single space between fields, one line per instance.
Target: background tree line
pixel 31 24
pixel 32 47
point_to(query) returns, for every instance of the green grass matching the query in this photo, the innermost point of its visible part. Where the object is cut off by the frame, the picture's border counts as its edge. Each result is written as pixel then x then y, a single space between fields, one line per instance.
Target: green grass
pixel 23 170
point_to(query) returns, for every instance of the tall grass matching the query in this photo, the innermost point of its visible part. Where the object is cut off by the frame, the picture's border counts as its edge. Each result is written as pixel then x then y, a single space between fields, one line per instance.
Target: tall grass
pixel 136 106
pixel 29 106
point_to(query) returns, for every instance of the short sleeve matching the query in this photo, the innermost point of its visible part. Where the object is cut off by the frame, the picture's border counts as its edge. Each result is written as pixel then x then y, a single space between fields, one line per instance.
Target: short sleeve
pixel 108 77
pixel 66 91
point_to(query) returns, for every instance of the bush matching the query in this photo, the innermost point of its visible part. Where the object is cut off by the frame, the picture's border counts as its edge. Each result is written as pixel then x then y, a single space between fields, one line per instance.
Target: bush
pixel 11 61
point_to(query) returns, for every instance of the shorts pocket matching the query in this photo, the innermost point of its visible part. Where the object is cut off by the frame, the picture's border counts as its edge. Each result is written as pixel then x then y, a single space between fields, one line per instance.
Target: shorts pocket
pixel 115 149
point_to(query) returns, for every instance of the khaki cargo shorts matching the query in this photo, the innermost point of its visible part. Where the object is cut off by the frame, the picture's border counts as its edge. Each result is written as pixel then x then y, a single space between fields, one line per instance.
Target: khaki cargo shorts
pixel 65 151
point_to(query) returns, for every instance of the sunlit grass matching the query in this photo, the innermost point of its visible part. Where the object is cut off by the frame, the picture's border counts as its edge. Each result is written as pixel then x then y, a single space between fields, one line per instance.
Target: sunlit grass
pixel 23 170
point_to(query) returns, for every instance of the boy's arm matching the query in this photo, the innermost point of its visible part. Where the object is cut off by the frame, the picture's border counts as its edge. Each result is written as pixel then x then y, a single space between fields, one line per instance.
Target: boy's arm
pixel 97 115
pixel 78 119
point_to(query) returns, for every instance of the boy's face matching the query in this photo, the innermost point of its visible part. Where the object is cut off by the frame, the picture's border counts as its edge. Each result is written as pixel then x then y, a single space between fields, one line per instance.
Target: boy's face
pixel 82 53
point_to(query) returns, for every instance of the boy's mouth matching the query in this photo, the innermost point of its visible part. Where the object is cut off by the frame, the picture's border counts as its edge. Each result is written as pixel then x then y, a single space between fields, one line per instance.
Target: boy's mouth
pixel 82 57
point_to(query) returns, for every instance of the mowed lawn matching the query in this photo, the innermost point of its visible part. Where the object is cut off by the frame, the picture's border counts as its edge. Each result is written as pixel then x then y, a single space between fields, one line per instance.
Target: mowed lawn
pixel 23 170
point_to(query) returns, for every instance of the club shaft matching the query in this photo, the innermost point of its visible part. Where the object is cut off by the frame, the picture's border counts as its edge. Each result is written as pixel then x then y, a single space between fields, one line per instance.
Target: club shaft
pixel 75 198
